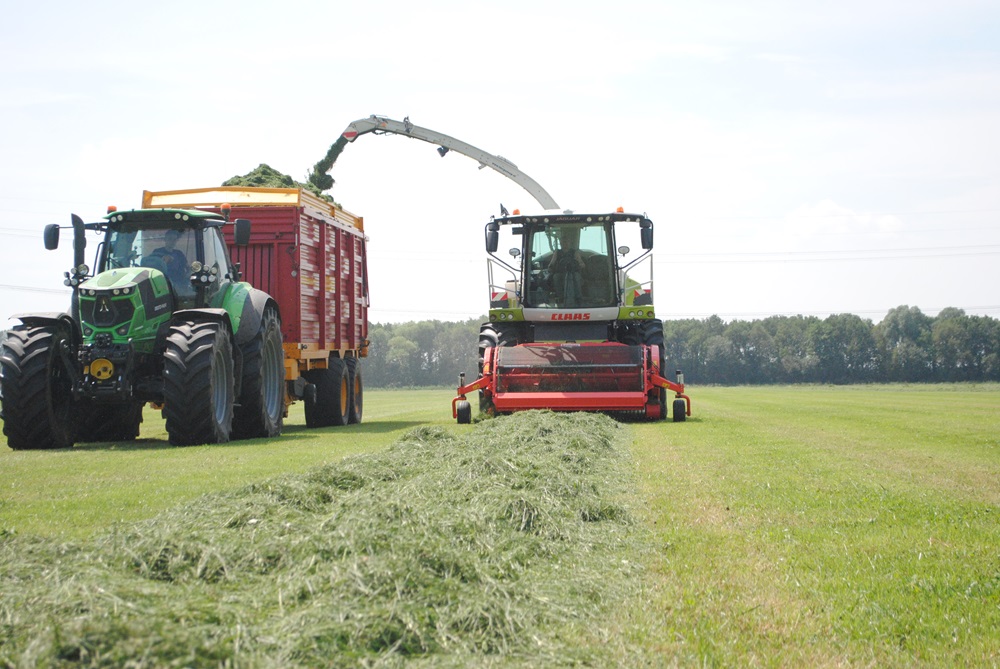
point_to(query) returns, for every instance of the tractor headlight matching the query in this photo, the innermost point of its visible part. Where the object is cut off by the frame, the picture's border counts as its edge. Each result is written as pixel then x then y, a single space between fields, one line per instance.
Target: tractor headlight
pixel 196 266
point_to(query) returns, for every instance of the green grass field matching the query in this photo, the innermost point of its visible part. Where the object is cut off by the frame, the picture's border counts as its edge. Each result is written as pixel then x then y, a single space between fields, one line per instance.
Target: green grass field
pixel 792 526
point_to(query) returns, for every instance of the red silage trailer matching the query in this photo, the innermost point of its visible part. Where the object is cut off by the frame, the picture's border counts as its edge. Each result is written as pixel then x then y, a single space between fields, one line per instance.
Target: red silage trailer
pixel 310 256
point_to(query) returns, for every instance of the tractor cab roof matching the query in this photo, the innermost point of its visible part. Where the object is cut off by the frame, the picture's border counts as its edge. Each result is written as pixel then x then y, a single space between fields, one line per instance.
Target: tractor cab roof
pixel 165 218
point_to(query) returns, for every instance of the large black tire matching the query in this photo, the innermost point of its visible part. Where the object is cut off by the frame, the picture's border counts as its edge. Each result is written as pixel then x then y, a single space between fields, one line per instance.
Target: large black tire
pixel 260 410
pixel 651 334
pixel 36 388
pixel 108 422
pixel 198 383
pixel 357 400
pixel 333 394
pixel 492 335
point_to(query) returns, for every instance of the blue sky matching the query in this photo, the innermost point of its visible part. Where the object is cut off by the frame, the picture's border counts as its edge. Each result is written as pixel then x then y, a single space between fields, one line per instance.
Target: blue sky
pixel 796 157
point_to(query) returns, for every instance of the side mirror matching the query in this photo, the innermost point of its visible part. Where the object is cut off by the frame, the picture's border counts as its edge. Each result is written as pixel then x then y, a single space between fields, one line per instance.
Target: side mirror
pixel 646 234
pixel 51 237
pixel 241 233
pixel 79 240
pixel 492 237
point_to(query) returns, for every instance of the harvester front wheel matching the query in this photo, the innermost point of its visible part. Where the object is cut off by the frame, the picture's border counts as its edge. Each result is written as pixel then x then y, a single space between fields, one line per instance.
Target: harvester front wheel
pixel 262 398
pixel 491 336
pixel 36 386
pixel 198 383
pixel 333 392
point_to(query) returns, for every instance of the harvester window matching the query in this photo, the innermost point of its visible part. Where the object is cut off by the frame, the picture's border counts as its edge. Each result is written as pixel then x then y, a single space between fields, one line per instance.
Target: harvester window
pixel 571 267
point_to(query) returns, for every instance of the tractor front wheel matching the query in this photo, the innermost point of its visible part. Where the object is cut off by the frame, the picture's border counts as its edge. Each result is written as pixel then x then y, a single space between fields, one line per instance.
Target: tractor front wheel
pixel 36 387
pixel 198 383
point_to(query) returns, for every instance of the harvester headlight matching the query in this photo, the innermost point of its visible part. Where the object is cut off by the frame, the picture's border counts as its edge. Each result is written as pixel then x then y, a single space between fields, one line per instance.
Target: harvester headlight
pixel 631 314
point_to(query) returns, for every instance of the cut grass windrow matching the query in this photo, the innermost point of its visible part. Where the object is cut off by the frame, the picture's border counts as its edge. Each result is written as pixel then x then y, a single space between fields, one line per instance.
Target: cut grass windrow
pixel 490 548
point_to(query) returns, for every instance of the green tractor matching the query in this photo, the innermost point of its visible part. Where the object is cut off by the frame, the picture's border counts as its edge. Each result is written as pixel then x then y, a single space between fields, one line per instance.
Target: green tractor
pixel 166 320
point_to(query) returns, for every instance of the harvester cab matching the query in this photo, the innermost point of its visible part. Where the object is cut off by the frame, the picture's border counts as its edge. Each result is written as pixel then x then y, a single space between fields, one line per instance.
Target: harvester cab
pixel 572 325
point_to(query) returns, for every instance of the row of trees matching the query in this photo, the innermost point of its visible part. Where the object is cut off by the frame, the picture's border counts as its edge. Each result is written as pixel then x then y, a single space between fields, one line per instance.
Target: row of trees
pixel 907 345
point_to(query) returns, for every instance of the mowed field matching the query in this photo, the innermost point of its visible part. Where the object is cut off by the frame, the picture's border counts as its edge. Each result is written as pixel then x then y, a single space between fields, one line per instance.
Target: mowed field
pixel 791 526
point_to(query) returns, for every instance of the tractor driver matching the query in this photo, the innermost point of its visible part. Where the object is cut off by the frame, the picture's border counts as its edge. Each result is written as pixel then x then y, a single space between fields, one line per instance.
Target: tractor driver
pixel 173 259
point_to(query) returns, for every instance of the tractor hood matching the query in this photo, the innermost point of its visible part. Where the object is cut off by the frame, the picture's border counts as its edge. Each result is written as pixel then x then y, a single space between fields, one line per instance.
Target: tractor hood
pixel 124 279
pixel 126 303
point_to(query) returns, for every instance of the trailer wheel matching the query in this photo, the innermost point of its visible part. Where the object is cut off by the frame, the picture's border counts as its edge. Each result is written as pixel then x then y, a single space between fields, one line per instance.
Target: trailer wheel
pixel 332 395
pixel 464 411
pixel 261 406
pixel 357 401
pixel 108 422
pixel 198 383
pixel 36 388
pixel 680 410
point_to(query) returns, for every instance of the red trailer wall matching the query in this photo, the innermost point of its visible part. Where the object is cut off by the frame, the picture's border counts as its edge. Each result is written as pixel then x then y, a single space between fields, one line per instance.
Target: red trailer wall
pixel 314 268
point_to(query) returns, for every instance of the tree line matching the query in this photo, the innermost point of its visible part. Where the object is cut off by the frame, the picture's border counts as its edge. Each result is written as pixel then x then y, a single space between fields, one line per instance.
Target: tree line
pixel 905 346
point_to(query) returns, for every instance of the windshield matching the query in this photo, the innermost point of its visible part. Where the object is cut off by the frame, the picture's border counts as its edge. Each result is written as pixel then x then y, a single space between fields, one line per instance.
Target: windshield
pixel 570 266
pixel 171 251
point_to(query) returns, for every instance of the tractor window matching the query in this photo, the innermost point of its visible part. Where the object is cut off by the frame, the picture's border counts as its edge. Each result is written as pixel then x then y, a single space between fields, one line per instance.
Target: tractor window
pixel 216 258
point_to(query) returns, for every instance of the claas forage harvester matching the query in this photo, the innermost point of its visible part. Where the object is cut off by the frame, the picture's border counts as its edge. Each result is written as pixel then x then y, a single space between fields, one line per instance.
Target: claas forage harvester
pixel 572 325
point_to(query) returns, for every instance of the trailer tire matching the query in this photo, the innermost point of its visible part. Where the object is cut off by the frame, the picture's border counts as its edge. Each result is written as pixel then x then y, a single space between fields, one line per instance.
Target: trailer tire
pixel 680 410
pixel 198 383
pixel 108 422
pixel 464 411
pixel 357 401
pixel 261 407
pixel 36 388
pixel 332 395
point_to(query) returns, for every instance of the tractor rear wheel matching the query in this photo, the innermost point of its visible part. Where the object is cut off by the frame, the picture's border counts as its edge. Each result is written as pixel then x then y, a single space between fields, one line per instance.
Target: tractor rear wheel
pixel 261 407
pixel 198 383
pixel 332 395
pixel 357 402
pixel 36 387
pixel 108 422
